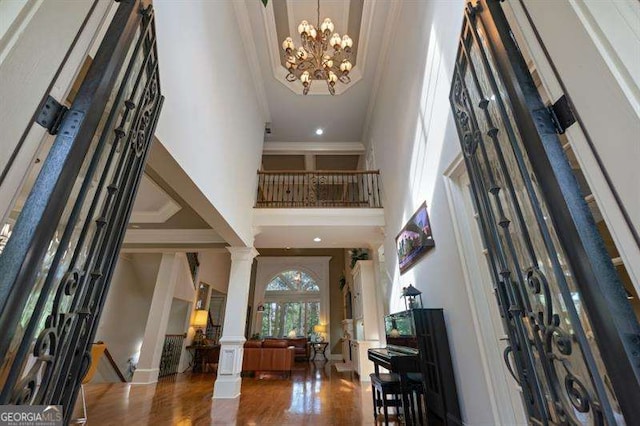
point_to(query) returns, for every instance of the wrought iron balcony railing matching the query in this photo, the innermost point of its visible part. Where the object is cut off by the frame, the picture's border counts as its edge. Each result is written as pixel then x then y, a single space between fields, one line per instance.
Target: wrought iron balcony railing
pixel 299 189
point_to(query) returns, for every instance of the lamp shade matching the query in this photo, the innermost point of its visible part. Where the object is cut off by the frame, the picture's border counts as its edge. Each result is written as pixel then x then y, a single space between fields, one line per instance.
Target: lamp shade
pixel 320 328
pixel 200 318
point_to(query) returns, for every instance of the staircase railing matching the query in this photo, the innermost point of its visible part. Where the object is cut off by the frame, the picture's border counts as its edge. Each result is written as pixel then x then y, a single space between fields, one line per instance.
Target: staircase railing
pixel 171 352
pixel 194 266
pixel 299 189
pixel 213 331
pixel 113 364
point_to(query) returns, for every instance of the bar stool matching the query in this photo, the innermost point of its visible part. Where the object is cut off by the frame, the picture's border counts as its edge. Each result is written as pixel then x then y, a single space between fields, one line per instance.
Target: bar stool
pixel 383 385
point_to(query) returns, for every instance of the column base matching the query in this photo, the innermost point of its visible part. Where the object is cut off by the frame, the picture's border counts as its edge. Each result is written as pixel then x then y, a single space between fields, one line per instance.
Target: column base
pixel 227 387
pixel 228 383
pixel 144 376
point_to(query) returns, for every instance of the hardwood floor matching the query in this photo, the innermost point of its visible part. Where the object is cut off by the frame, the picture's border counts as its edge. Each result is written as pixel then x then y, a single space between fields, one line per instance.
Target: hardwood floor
pixel 316 394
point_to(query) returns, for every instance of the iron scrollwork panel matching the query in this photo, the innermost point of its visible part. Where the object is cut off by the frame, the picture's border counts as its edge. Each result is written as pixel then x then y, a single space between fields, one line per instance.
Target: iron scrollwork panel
pixel 49 352
pixel 555 358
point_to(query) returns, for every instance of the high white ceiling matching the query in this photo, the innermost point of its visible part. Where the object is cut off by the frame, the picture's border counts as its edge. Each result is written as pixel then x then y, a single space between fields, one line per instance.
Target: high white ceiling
pixel 294 117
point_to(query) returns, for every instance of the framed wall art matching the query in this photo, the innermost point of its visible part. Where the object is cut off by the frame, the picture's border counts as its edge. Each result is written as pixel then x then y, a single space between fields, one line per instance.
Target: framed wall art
pixel 415 239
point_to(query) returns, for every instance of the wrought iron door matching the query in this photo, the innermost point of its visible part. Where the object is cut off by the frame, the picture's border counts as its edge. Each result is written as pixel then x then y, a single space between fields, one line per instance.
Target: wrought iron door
pixel 56 267
pixel 573 341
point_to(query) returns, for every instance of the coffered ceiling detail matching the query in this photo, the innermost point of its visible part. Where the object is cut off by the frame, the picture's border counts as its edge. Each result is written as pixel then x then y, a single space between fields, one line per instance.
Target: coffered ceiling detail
pixel 292 117
pixel 153 204
pixel 353 17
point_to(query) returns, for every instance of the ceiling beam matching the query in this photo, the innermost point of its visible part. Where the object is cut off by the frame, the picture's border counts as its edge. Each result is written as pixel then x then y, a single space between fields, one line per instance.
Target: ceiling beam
pixel 172 236
pixel 302 148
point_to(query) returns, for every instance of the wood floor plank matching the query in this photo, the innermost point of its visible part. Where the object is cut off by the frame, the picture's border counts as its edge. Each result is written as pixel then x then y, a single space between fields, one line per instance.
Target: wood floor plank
pixel 316 394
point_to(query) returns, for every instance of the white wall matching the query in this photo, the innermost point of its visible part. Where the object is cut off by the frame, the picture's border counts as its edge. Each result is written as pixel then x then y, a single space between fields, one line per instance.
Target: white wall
pixel 125 313
pixel 178 317
pixel 414 139
pixel 211 122
pixel 215 266
pixel 35 37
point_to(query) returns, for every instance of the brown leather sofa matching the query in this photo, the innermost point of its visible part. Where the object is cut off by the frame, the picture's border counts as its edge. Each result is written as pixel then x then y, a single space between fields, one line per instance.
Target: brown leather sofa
pixel 268 356
pixel 302 347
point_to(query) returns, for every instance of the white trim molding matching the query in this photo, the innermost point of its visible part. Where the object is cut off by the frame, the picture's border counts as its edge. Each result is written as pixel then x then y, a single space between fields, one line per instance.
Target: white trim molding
pixel 506 405
pixel 161 215
pixel 305 147
pixel 172 236
pixel 619 227
pixel 614 27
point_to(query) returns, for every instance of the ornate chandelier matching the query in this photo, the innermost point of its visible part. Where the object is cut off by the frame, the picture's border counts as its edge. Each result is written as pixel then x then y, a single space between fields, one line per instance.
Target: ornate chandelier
pixel 324 55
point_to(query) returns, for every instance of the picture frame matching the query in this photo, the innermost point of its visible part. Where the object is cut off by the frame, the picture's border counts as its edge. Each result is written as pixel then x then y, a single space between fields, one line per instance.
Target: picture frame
pixel 415 239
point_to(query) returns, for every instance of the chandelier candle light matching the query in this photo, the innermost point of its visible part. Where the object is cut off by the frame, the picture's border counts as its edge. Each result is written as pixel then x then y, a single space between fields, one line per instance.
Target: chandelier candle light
pixel 324 55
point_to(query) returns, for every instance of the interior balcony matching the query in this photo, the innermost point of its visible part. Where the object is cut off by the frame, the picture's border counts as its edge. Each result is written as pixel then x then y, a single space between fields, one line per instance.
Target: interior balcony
pixel 318 189
pixel 339 208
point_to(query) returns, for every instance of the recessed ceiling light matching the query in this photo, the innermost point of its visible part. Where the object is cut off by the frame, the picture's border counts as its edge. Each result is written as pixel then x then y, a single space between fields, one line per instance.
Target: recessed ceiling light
pixel 319 131
pixel 317 239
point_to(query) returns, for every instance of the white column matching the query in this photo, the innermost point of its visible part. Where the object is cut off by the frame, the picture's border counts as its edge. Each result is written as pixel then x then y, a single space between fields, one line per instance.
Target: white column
pixel 151 351
pixel 230 366
pixel 309 162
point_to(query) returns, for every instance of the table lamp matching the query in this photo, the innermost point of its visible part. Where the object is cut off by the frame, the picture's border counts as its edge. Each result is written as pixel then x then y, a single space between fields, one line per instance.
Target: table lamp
pixel 320 329
pixel 199 323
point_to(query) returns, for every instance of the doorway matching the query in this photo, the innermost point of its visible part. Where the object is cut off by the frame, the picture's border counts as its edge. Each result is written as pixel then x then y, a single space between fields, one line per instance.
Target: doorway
pixel 504 392
pixel 564 309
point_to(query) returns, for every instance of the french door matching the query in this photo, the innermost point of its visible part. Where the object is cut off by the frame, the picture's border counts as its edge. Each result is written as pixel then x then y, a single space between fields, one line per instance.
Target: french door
pixel 57 264
pixel 574 341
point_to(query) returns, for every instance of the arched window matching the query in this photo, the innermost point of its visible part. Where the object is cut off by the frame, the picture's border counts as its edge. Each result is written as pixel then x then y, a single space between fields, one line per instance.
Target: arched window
pixel 292 281
pixel 291 305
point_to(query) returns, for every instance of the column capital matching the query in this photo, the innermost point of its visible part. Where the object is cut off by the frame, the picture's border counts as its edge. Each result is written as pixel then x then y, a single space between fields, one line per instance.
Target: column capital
pixel 242 253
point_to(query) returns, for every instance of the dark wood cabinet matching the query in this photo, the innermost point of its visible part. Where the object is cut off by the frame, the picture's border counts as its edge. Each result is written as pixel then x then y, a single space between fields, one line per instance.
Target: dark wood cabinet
pixel 437 368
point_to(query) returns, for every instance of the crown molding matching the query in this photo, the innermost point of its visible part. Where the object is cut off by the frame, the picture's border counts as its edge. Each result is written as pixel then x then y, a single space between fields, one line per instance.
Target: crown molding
pixel 158 216
pixel 293 25
pixel 164 213
pixel 242 253
pixel 242 16
pixel 300 148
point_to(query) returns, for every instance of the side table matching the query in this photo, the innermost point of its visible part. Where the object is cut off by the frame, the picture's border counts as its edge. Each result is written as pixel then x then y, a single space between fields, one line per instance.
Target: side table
pixel 319 347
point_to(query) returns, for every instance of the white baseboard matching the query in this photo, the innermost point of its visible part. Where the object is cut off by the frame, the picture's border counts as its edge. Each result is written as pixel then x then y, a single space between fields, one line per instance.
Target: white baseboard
pixel 144 376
